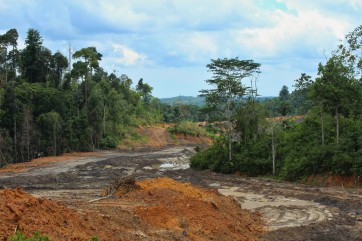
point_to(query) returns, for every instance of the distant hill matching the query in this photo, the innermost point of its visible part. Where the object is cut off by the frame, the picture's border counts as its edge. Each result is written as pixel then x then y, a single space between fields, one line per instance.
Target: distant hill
pixel 199 101
pixel 188 100
pixel 264 98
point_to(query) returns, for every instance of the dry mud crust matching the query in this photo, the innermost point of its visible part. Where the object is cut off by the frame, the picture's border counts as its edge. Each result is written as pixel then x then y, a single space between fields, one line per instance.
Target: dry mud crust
pixel 292 211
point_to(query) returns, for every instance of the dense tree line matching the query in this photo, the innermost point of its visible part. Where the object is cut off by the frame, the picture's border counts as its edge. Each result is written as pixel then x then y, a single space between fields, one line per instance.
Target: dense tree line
pixel 328 139
pixel 47 108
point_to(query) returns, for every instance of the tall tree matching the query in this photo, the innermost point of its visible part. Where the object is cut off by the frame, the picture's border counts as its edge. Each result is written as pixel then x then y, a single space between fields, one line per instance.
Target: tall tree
pixel 299 98
pixel 229 89
pixel 284 105
pixel 354 52
pixel 58 64
pixel 90 62
pixel 334 87
pixel 284 93
pixel 35 58
pixel 10 38
pixel 13 56
pixel 145 90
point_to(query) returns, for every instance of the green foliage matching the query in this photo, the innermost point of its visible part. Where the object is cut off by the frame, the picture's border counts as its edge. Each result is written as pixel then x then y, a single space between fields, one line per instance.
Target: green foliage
pixel 44 111
pixel 108 142
pixel 228 90
pixel 213 158
pixel 187 128
pixel 19 236
pixel 327 140
pixel 145 91
pixel 182 112
pixel 254 158
pixel 95 238
pixel 184 100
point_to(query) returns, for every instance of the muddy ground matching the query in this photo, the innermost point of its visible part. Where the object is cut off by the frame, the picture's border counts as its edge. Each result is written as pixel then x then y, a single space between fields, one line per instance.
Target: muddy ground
pixel 291 211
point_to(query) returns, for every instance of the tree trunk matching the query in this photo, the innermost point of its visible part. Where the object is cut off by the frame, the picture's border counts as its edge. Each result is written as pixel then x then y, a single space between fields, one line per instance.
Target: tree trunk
pixel 86 95
pixel 6 68
pixel 104 120
pixel 322 126
pixel 14 70
pixel 273 150
pixel 15 143
pixel 229 128
pixel 337 126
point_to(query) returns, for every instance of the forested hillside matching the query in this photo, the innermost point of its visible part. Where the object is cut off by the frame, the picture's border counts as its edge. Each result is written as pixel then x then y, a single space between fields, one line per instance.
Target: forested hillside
pixel 48 107
pixel 326 138
pixel 188 100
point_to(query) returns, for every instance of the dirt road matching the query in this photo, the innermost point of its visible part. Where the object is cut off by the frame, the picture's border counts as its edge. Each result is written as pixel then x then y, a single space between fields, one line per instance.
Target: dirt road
pixel 292 211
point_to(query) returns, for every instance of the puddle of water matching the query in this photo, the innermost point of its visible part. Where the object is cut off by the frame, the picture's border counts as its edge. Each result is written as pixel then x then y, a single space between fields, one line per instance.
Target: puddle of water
pixel 171 163
pixel 174 166
pixel 167 165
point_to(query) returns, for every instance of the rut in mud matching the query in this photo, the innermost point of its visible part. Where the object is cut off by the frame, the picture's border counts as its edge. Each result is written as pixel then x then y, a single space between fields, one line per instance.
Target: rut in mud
pixel 291 211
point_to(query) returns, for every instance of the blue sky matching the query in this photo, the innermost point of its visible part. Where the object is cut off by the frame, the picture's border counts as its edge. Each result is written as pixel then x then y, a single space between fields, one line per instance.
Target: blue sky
pixel 168 43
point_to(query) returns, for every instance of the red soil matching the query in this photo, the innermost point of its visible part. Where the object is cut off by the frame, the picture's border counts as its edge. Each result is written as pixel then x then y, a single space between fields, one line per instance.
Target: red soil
pixel 43 161
pixel 162 209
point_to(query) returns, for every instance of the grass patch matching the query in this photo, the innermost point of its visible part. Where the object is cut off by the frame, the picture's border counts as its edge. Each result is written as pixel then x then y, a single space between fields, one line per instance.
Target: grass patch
pixel 133 138
pixel 19 236
pixel 188 128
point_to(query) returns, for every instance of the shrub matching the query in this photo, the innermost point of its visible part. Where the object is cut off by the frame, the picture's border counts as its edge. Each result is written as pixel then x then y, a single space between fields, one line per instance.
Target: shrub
pixel 214 158
pixel 187 128
pixel 19 236
pixel 108 142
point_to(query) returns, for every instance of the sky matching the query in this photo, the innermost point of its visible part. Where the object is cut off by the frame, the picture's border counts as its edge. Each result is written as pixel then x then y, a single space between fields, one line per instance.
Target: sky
pixel 168 43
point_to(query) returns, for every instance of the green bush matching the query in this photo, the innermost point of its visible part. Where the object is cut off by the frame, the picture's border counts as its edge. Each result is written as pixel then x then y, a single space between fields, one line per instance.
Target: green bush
pixel 214 158
pixel 19 236
pixel 255 158
pixel 187 128
pixel 293 170
pixel 108 142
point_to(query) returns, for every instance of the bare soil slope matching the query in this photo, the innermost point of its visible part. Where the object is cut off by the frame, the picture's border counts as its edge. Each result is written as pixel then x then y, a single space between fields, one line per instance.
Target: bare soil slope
pixel 70 205
pixel 158 136
pixel 161 209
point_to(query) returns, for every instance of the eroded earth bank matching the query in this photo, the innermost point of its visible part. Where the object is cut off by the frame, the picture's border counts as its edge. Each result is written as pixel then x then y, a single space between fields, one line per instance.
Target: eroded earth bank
pixel 169 209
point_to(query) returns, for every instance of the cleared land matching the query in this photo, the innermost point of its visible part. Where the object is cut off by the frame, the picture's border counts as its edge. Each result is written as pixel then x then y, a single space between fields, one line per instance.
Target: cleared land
pixel 167 201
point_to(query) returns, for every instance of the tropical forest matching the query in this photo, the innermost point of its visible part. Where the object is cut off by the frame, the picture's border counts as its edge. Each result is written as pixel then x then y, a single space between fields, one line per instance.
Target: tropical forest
pixel 88 154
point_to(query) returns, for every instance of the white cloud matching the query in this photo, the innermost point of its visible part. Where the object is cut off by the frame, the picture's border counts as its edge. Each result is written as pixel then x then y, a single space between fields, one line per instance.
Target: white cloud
pixel 195 47
pixel 357 4
pixel 182 34
pixel 308 29
pixel 128 56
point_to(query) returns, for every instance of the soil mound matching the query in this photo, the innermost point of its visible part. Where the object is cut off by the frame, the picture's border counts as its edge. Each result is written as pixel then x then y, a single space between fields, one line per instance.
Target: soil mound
pixel 157 209
pixel 22 211
pixel 194 213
